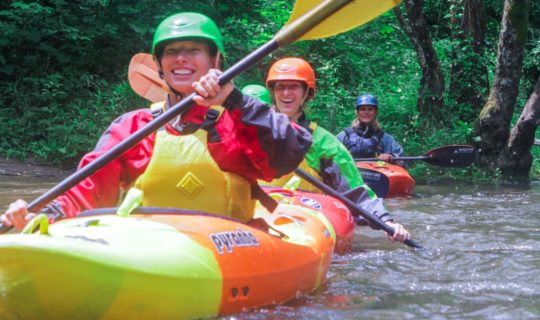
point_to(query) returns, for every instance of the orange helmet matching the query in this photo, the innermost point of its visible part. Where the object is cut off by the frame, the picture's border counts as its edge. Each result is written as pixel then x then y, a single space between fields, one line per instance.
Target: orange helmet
pixel 292 69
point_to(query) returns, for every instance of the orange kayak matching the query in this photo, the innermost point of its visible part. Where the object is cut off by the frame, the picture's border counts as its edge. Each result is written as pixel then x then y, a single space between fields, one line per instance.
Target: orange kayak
pixel 334 210
pixel 386 179
pixel 162 264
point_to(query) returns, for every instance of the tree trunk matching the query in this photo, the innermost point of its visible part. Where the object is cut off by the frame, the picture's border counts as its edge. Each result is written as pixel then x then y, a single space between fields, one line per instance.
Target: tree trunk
pixel 430 96
pixel 491 130
pixel 516 158
pixel 468 75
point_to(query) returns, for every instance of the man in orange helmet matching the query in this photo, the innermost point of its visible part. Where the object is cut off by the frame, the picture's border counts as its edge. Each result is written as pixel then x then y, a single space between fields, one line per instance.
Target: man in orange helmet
pixel 292 84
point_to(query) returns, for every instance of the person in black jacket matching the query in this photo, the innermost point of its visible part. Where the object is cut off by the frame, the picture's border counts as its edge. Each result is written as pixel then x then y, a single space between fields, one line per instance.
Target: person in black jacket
pixel 365 138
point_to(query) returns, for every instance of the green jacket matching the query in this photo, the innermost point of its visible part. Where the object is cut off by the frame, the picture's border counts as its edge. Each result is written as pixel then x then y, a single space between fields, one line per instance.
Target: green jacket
pixel 328 157
pixel 326 146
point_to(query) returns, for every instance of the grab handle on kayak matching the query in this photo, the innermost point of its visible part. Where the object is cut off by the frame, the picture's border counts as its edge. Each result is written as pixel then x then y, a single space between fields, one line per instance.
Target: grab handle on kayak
pixel 40 220
pixel 280 195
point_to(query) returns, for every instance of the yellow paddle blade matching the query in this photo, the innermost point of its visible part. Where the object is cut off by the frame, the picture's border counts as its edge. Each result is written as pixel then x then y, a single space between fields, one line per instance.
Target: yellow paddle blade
pixel 144 78
pixel 353 14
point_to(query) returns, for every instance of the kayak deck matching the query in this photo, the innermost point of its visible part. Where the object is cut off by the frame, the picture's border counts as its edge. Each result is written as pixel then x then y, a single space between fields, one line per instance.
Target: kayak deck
pixel 386 179
pixel 334 210
pixel 162 266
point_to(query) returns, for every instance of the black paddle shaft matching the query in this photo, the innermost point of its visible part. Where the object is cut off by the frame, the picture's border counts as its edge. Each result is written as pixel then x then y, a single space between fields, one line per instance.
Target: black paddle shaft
pixel 356 211
pixel 445 156
pixel 180 108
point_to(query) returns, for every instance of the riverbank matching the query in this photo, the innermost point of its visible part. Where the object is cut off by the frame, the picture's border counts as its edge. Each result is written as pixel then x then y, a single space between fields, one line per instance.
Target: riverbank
pixel 29 168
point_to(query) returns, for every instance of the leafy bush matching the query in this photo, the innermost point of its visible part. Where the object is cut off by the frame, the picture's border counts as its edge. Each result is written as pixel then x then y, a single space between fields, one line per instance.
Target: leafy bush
pixel 63 69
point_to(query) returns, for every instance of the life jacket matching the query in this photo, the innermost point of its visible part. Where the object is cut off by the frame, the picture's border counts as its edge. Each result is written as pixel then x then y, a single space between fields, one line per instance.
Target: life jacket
pixel 361 146
pixel 292 181
pixel 183 174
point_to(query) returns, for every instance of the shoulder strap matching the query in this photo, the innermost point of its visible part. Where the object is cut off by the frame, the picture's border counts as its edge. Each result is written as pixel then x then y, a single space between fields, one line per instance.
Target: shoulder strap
pixel 348 131
pixel 379 134
pixel 212 116
pixel 209 124
pixel 267 201
pixel 157 108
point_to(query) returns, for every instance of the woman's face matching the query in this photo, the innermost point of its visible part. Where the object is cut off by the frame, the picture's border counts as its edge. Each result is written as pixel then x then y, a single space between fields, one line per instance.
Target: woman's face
pixel 184 62
pixel 289 97
pixel 366 114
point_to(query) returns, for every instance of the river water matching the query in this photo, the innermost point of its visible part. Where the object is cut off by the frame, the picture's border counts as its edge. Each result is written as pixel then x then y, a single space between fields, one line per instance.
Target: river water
pixel 481 259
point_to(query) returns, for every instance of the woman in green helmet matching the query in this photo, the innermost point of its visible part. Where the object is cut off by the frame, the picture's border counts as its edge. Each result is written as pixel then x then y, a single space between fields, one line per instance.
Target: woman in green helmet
pixel 215 153
pixel 259 92
pixel 292 84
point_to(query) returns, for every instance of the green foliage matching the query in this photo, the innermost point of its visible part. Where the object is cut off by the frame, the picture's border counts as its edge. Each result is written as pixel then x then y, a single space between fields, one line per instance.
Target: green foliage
pixel 63 69
pixel 531 63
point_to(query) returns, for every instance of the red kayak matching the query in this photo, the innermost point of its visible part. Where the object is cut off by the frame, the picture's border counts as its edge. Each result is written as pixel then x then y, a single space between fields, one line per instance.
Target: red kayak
pixel 386 179
pixel 334 210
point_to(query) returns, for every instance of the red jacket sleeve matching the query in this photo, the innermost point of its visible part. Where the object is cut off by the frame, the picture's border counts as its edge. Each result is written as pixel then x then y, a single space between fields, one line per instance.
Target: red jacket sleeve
pixel 103 188
pixel 259 143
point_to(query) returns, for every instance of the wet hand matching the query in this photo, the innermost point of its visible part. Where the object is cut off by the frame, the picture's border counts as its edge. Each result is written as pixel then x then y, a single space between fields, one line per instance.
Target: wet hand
pixel 400 233
pixel 17 215
pixel 209 92
pixel 386 157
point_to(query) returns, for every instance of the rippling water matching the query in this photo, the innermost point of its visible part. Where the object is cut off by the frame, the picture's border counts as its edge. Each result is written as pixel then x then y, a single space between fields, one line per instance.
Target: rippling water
pixel 481 259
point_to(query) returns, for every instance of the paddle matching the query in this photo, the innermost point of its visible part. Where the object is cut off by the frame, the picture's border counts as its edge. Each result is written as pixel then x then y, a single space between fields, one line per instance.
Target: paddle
pixel 306 20
pixel 151 81
pixel 377 181
pixel 355 210
pixel 445 156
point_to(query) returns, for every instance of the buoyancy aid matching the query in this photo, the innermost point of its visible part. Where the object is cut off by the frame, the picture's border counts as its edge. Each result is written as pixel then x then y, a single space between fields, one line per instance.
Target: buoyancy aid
pixel 291 181
pixel 362 145
pixel 183 174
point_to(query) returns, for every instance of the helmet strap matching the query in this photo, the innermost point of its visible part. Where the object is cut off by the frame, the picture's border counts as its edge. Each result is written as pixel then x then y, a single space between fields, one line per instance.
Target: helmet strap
pixel 173 91
pixel 306 96
pixel 304 99
pixel 217 63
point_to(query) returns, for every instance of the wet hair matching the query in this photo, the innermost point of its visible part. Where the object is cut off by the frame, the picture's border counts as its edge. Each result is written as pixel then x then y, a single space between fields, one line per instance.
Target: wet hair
pixel 375 125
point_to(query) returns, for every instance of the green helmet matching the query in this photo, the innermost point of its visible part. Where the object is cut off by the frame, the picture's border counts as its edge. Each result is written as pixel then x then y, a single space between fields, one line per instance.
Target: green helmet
pixel 186 25
pixel 259 92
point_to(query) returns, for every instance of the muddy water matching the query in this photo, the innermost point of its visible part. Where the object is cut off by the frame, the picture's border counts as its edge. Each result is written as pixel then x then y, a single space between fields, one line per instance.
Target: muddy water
pixel 27 188
pixel 481 259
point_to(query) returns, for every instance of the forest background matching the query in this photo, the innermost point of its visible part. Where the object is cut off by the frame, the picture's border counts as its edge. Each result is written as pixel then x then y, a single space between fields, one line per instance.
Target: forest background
pixel 63 71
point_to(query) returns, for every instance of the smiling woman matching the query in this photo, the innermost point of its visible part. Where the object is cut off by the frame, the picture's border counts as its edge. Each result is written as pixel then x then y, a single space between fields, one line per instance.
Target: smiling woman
pixel 365 138
pixel 292 84
pixel 183 63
